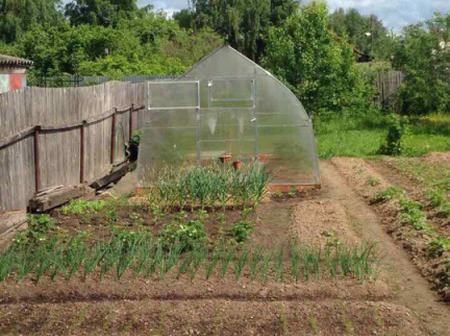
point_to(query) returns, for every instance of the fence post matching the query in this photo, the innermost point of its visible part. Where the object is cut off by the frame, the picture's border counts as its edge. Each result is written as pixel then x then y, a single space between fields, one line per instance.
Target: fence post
pixel 82 127
pixel 130 125
pixel 37 171
pixel 113 135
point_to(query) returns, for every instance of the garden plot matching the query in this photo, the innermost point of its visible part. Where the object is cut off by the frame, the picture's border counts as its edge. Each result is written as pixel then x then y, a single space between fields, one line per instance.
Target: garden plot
pixel 412 197
pixel 154 264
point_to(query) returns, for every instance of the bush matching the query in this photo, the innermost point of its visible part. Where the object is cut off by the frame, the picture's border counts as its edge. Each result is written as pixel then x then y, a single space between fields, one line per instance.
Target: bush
pixel 396 129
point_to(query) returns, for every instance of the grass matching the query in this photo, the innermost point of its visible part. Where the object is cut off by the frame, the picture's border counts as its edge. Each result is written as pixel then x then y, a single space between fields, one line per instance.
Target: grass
pixel 362 138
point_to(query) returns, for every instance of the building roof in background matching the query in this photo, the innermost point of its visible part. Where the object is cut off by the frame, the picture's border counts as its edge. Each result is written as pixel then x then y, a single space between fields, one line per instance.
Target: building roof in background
pixel 11 61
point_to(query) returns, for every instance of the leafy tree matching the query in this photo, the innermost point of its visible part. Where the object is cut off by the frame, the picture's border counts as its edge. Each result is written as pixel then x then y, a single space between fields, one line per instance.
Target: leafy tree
pixel 185 18
pixel 99 12
pixel 319 69
pixel 146 45
pixel 18 16
pixel 424 58
pixel 243 24
pixel 366 33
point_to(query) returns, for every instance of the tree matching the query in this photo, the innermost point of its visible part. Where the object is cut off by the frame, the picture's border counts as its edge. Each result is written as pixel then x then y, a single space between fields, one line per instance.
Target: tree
pixel 17 17
pixel 366 33
pixel 99 12
pixel 146 45
pixel 319 69
pixel 244 24
pixel 424 57
pixel 185 18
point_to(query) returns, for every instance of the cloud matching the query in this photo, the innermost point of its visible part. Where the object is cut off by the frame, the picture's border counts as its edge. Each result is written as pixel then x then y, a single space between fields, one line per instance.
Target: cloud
pixel 168 6
pixel 395 13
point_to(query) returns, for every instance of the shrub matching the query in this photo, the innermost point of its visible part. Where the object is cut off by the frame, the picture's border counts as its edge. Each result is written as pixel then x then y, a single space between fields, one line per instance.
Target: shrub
pixel 396 127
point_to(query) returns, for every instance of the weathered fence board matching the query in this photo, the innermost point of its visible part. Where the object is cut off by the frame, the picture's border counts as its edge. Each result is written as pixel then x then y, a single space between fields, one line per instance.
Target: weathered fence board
pixel 62 158
pixel 387 84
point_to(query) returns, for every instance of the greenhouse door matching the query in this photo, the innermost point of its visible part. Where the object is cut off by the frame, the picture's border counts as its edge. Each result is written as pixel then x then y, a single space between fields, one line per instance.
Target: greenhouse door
pixel 227 119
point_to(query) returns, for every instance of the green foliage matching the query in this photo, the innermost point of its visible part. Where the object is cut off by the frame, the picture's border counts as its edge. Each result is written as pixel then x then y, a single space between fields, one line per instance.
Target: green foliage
pixel 17 17
pixel 366 33
pixel 145 44
pixel 438 246
pixel 387 195
pixel 423 56
pixel 240 231
pixel 411 213
pixel 243 24
pixel 211 185
pixel 136 138
pixel 100 12
pixel 82 206
pixel 316 67
pixel 39 227
pixel 189 235
pixel 396 128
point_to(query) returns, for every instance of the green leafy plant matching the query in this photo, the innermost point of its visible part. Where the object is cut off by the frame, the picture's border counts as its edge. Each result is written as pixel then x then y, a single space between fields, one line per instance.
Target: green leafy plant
pixel 188 234
pixel 240 231
pixel 411 213
pixel 396 128
pixel 438 246
pixel 388 194
pixel 82 206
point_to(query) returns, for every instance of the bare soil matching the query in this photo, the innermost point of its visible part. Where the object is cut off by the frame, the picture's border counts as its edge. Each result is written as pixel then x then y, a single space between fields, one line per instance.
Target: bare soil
pixel 398 302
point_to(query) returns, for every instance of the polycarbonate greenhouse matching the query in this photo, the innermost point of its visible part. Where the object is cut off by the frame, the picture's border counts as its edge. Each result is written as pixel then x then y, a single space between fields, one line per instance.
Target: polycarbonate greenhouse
pixel 228 105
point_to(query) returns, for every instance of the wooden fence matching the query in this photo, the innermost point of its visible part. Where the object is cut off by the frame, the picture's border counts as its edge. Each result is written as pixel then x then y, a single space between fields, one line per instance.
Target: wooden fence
pixel 387 84
pixel 64 136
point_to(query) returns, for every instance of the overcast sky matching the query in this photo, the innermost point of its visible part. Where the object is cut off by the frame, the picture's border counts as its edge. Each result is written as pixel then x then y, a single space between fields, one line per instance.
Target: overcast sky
pixel 394 13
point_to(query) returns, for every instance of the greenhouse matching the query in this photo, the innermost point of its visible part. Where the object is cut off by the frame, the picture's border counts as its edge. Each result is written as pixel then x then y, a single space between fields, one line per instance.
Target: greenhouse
pixel 228 109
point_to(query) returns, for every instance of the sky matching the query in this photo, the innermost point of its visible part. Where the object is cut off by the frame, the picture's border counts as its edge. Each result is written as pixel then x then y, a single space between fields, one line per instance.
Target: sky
pixel 394 13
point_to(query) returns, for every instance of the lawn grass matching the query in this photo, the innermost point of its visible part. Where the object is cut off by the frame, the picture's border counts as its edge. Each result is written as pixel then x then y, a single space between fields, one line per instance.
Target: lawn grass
pixel 363 138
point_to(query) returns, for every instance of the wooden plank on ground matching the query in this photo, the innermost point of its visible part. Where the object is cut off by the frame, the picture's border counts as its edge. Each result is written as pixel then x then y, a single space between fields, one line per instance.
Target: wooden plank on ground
pixel 54 198
pixel 116 174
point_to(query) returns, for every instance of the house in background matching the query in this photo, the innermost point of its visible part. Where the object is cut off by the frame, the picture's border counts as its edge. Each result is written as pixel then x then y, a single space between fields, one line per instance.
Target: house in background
pixel 13 73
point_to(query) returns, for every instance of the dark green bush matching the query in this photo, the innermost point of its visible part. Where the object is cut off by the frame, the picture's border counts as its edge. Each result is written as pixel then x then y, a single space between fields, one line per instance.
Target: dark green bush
pixel 396 128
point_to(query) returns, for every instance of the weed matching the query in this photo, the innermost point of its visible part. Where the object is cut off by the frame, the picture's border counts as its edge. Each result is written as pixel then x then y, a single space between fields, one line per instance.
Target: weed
pixel 373 181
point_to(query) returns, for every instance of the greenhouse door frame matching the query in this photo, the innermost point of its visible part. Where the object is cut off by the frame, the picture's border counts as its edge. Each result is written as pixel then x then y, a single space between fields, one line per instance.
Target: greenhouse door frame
pixel 219 104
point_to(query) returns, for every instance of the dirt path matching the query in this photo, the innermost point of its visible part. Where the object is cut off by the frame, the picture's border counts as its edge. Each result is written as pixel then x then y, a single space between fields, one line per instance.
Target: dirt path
pixel 410 288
